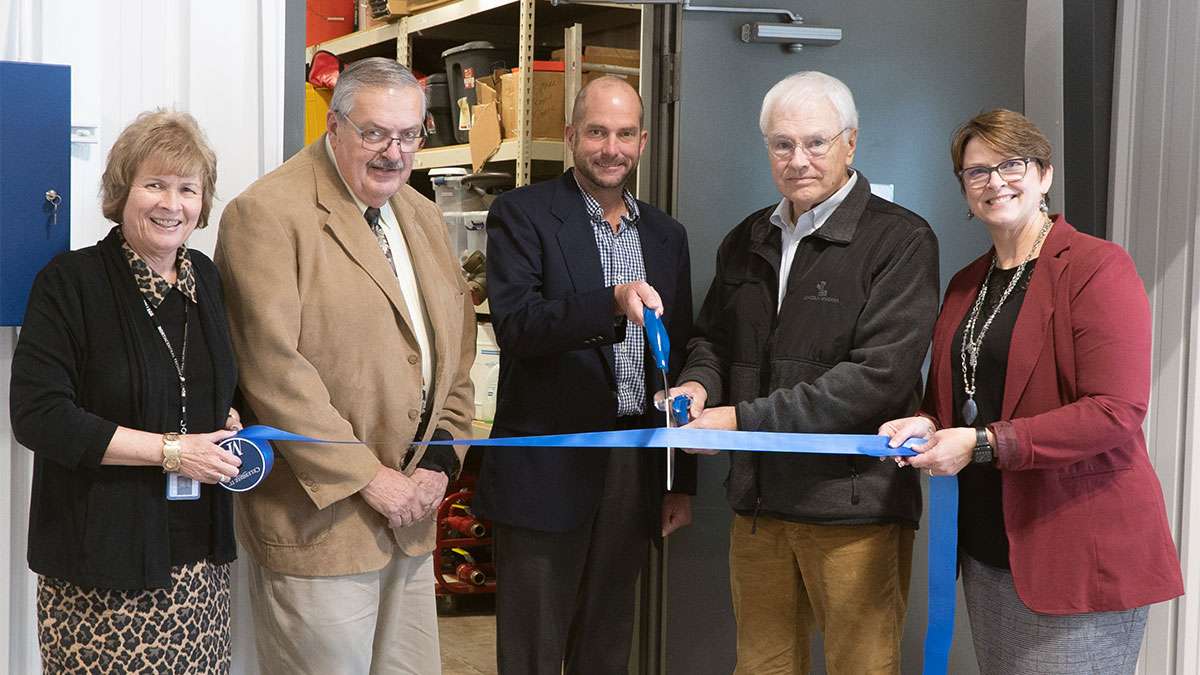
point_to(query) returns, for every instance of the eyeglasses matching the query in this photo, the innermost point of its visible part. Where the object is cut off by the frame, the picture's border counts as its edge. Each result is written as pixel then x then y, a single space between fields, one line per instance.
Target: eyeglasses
pixel 1010 170
pixel 377 140
pixel 782 147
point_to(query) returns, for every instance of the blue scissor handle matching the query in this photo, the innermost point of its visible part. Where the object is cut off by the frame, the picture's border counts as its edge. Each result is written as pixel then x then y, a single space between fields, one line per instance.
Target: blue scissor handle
pixel 679 408
pixel 656 336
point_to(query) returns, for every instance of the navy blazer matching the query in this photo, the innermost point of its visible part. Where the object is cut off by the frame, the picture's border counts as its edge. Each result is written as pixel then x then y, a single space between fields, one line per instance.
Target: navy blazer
pixel 555 325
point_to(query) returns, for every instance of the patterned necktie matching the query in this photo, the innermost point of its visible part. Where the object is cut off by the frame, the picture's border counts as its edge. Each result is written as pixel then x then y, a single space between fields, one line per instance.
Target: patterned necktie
pixel 372 217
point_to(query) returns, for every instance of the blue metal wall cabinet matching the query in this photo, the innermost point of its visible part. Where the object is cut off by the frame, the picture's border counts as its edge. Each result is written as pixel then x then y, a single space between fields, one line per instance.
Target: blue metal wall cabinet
pixel 35 177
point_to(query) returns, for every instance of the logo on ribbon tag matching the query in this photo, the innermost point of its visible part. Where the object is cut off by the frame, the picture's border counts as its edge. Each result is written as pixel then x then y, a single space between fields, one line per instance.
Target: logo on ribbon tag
pixel 257 459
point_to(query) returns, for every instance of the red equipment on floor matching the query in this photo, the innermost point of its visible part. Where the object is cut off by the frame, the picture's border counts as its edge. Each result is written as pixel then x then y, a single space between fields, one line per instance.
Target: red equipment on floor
pixel 462 559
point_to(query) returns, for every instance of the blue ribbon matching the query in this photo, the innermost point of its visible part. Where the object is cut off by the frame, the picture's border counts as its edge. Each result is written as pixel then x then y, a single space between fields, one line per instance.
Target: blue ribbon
pixel 252 445
pixel 943 496
pixel 746 441
pixel 943 572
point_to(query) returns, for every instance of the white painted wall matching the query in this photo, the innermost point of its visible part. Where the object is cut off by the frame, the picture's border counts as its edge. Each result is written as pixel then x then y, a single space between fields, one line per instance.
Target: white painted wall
pixel 220 60
pixel 1155 214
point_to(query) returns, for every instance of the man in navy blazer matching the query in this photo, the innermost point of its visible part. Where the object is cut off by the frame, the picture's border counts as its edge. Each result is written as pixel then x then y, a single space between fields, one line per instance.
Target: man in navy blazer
pixel 571 263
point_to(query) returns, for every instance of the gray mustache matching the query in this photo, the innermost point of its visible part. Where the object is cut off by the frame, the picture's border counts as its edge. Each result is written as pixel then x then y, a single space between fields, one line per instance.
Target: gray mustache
pixel 386 164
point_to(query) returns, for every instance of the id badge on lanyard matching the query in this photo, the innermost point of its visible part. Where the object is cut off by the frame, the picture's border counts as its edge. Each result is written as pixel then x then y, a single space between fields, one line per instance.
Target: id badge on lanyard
pixel 182 488
pixel 179 487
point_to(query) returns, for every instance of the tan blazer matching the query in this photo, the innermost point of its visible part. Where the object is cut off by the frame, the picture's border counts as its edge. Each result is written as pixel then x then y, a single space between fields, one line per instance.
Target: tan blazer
pixel 325 348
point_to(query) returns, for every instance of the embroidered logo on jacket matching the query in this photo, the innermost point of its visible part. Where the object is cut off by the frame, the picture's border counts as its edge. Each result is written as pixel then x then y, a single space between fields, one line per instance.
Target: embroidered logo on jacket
pixel 822 294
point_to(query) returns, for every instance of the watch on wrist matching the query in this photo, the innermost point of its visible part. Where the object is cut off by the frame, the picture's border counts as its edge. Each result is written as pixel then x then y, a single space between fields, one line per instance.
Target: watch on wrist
pixel 983 453
pixel 171 448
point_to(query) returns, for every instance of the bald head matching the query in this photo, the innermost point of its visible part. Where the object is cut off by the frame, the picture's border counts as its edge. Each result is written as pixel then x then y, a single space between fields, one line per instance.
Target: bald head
pixel 606 136
pixel 607 88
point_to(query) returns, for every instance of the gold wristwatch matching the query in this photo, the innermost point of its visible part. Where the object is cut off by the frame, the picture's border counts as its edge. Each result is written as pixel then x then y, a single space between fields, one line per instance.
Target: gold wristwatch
pixel 171 448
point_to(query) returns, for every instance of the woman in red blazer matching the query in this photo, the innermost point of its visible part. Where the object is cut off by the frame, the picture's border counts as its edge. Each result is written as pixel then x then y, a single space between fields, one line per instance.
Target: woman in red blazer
pixel 1038 385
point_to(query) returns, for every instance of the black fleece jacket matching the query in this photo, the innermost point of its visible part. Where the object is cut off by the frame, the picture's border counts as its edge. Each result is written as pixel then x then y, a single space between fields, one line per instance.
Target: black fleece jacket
pixel 842 355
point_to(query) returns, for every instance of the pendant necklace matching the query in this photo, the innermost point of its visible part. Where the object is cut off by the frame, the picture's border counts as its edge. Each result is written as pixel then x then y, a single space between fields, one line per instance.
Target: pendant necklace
pixel 971 343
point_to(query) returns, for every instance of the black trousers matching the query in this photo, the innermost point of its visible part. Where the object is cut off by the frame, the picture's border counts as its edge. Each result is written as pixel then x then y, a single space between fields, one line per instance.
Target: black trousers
pixel 568 597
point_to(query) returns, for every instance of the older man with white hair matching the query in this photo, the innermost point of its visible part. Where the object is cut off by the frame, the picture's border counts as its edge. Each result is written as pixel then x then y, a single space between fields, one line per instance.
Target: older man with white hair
pixel 817 321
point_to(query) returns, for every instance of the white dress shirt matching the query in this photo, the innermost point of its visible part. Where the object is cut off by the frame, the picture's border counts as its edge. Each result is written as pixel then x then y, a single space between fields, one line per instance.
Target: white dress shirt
pixel 404 274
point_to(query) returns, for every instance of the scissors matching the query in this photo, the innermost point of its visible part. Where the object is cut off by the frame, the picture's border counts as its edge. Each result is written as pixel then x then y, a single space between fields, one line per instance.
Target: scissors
pixel 675 407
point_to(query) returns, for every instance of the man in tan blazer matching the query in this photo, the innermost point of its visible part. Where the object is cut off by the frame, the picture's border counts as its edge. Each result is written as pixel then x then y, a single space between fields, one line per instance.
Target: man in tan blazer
pixel 350 321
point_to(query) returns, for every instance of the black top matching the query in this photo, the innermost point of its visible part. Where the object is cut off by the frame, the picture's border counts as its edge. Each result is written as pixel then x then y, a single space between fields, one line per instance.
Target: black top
pixel 981 532
pixel 189 521
pixel 89 359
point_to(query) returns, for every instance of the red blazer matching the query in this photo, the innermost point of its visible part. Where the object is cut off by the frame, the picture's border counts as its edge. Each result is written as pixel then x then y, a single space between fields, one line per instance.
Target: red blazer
pixel 1083 508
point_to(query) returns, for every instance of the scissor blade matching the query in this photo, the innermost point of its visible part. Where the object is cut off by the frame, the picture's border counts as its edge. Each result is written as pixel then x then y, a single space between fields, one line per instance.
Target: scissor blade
pixel 670 424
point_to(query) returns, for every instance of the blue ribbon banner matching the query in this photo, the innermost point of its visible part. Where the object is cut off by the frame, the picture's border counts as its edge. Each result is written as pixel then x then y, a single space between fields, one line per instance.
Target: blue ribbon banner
pixel 252 445
pixel 943 496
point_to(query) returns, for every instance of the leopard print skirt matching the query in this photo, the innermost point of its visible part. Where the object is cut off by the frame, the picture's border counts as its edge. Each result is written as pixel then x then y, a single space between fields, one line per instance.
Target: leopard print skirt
pixel 181 629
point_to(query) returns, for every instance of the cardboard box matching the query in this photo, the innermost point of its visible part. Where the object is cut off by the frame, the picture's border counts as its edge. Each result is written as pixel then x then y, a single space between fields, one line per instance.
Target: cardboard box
pixel 612 56
pixel 405 7
pixel 548 109
pixel 485 134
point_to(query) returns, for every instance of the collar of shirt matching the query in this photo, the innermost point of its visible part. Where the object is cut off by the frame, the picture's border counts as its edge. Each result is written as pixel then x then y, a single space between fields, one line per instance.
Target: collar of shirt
pixel 811 220
pixel 151 284
pixel 385 212
pixel 596 212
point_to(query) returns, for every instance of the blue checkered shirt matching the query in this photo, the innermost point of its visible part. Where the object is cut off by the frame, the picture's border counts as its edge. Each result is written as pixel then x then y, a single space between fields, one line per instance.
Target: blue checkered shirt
pixel 621 258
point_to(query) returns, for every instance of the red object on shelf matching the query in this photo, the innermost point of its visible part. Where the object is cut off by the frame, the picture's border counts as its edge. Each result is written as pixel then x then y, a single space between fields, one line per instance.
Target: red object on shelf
pixel 546 67
pixel 328 19
pixel 470 574
pixel 468 525
pixel 324 70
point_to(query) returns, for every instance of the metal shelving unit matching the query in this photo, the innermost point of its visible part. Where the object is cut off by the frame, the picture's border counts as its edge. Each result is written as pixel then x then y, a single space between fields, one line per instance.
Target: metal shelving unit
pixel 523 149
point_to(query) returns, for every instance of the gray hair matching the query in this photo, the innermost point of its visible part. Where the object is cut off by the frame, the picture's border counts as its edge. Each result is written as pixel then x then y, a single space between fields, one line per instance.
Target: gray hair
pixel 807 85
pixel 376 72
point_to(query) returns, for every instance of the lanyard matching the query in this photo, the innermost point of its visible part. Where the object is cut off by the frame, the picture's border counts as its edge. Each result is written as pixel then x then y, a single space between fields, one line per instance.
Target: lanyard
pixel 179 361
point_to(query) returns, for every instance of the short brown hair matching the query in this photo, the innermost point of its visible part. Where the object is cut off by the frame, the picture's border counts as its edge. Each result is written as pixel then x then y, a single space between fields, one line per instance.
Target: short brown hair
pixel 1007 132
pixel 170 141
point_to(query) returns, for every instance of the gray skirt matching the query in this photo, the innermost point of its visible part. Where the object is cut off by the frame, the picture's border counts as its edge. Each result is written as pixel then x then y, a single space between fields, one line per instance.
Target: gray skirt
pixel 1010 639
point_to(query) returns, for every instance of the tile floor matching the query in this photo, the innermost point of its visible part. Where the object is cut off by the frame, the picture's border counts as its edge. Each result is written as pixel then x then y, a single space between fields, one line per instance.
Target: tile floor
pixel 468 636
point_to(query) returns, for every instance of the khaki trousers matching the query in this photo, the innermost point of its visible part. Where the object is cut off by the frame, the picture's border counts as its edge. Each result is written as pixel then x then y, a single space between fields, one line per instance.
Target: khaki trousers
pixel 849 582
pixel 363 624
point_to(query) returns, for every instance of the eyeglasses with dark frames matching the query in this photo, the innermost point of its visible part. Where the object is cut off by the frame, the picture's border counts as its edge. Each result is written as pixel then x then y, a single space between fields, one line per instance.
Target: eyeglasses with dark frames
pixel 1010 171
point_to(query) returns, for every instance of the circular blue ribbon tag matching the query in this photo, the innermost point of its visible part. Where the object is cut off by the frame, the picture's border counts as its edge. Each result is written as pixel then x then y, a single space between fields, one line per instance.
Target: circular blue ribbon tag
pixel 257 459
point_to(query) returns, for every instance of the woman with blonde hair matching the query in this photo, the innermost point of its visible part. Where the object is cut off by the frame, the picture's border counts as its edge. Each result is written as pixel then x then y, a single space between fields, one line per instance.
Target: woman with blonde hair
pixel 122 384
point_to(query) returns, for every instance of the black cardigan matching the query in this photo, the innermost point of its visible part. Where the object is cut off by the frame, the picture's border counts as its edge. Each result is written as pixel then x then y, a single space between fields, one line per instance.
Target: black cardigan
pixel 82 367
